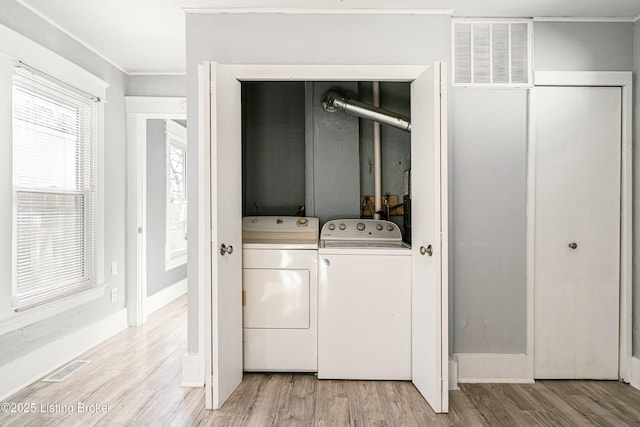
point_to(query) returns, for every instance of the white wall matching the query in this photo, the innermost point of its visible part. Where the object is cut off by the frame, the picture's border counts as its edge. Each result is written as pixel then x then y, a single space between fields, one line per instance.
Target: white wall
pixel 488 147
pixel 156 85
pixel 575 46
pixel 19 342
pixel 636 196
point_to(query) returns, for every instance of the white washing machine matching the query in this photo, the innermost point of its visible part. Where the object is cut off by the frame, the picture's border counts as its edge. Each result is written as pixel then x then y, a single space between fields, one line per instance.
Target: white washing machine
pixel 364 301
pixel 279 293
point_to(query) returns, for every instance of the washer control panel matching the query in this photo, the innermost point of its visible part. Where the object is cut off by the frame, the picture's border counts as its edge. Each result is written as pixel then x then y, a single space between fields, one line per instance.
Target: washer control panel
pixel 360 229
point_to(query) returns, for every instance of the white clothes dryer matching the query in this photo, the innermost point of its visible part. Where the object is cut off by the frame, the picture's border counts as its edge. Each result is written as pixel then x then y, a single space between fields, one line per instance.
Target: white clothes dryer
pixel 364 308
pixel 279 293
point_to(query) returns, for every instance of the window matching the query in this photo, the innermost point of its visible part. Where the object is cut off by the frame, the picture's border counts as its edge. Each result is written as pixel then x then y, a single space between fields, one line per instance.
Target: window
pixel 492 53
pixel 54 139
pixel 176 215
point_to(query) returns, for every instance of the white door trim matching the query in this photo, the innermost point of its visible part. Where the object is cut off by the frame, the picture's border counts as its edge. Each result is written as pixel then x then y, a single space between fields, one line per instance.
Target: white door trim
pixel 205 300
pixel 244 72
pixel 444 232
pixel 622 79
pixel 139 109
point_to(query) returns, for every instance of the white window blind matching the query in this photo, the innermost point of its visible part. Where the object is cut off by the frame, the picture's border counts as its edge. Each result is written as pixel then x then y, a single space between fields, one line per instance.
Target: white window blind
pixel 492 53
pixel 55 189
pixel 176 215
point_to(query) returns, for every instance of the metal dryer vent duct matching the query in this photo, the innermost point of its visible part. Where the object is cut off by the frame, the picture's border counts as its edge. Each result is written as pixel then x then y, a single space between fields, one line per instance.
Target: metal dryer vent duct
pixel 332 101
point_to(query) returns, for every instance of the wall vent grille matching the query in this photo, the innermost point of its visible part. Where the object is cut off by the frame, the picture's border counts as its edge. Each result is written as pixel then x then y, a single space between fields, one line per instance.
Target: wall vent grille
pixel 492 53
pixel 65 372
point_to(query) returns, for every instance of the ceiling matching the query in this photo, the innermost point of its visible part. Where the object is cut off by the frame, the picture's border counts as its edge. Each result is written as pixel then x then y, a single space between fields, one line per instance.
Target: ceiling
pixel 148 36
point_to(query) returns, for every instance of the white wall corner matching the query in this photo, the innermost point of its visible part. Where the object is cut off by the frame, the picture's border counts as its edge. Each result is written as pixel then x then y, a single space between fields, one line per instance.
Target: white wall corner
pixel 635 373
pixel 493 368
pixel 165 296
pixel 453 374
pixel 192 370
pixel 33 366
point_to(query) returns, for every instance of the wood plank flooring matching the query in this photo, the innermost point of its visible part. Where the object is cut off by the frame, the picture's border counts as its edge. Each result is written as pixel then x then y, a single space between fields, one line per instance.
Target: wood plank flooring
pixel 137 374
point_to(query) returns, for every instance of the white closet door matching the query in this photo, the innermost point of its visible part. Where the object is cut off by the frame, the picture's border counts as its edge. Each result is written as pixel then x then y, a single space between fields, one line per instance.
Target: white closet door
pixel 224 337
pixel 577 232
pixel 429 313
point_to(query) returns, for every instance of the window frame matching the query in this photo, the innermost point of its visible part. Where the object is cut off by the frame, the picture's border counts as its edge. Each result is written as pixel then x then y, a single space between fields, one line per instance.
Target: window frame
pixel 16 47
pixel 175 135
pixel 37 84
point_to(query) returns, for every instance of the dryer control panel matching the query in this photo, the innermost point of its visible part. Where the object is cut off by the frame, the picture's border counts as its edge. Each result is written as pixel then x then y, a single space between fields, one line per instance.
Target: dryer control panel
pixel 256 229
pixel 280 224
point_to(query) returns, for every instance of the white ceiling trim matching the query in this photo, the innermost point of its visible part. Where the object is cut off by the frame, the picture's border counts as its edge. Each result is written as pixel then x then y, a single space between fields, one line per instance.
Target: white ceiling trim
pixel 328 11
pixel 156 73
pixel 584 19
pixel 69 33
pixel 636 18
pixel 21 48
pixel 490 19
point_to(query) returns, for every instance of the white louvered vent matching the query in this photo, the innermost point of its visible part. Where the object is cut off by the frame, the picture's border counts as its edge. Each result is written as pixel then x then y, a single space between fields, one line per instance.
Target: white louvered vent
pixel 66 371
pixel 491 53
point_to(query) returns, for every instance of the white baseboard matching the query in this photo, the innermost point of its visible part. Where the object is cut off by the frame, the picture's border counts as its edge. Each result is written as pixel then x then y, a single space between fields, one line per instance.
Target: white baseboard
pixel 635 373
pixel 192 370
pixel 453 375
pixel 493 368
pixel 33 366
pixel 165 296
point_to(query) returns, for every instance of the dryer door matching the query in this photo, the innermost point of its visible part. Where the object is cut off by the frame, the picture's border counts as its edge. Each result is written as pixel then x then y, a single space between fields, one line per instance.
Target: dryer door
pixel 275 299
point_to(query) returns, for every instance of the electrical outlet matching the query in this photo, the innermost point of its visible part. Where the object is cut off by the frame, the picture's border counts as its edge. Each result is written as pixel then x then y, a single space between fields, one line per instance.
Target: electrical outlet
pixel 114 268
pixel 114 295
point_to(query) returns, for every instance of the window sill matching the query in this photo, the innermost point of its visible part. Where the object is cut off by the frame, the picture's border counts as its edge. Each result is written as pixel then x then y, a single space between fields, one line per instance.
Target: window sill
pixel 177 262
pixel 17 320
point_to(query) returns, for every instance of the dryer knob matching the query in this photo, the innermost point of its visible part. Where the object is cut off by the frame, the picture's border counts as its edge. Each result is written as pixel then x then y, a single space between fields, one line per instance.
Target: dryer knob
pixel 379 227
pixel 331 226
pixel 360 226
pixel 302 222
pixel 342 226
pixel 390 227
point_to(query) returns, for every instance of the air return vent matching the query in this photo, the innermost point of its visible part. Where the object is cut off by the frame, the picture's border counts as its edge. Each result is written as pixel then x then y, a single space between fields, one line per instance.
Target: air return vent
pixel 491 53
pixel 65 372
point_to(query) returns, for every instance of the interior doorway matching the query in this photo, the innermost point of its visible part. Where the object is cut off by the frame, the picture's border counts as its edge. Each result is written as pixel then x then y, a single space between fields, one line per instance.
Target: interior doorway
pixel 147 115
pixel 220 200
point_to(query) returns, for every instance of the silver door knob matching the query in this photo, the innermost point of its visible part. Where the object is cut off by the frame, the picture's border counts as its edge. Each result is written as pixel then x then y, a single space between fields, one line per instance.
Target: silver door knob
pixel 224 249
pixel 573 245
pixel 428 250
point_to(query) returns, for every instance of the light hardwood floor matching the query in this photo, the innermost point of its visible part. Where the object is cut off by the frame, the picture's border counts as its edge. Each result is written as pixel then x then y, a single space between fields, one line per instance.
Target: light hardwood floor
pixel 137 375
